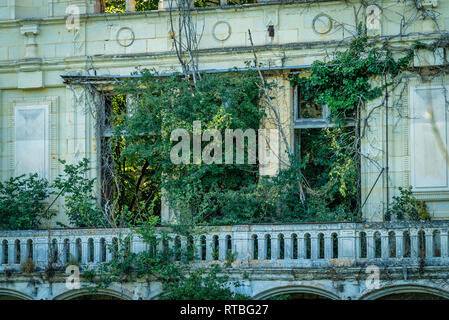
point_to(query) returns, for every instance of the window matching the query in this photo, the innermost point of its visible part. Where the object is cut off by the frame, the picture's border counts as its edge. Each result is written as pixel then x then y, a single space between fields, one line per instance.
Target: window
pixel 319 142
pixel 125 182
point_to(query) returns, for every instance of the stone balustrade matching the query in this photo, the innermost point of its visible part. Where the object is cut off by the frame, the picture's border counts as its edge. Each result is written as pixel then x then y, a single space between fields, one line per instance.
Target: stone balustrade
pixel 252 246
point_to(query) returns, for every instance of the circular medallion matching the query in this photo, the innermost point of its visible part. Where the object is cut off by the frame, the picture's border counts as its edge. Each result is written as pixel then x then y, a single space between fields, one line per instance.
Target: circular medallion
pixel 221 31
pixel 125 36
pixel 322 23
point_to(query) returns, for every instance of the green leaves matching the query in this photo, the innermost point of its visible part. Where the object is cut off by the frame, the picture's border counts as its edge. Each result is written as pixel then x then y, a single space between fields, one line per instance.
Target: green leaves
pixel 23 202
pixel 219 101
pixel 78 190
pixel 407 207
pixel 344 83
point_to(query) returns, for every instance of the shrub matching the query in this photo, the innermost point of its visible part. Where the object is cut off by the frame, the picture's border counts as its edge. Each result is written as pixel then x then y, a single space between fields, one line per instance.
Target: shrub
pixel 82 208
pixel 407 207
pixel 22 202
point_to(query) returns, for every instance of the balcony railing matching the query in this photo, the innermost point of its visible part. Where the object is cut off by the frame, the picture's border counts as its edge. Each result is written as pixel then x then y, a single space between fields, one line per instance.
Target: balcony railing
pixel 253 246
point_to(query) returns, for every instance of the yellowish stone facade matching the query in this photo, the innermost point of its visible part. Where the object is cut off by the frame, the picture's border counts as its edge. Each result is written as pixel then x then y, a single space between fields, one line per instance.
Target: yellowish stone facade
pixel 42 118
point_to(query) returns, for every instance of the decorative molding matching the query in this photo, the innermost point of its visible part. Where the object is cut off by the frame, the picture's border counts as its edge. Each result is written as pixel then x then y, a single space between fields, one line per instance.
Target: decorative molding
pixel 52 103
pixel 222 31
pixel 322 24
pixel 30 31
pixel 125 36
pixel 271 17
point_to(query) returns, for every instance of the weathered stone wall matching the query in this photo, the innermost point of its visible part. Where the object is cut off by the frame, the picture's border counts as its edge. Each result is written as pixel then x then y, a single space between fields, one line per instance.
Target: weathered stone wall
pixel 35 52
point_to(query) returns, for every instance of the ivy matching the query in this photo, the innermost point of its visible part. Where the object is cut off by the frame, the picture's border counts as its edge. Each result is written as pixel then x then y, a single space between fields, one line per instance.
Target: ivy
pixel 345 82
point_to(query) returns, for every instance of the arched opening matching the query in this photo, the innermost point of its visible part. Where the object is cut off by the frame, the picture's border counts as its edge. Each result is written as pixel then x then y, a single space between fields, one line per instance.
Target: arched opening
pixel 295 246
pixel 8 294
pixel 87 294
pixel 268 247
pixel 308 245
pixel 255 241
pixel 30 249
pixel 114 248
pixel 436 243
pixel 321 246
pixel 17 252
pixel 407 244
pixel 377 245
pixel 421 244
pixel 295 292
pixel 5 252
pixel 90 248
pixel 363 245
pixel 334 245
pixel 407 292
pixel 66 250
pixel 215 248
pixel 79 250
pixel 177 248
pixel 411 296
pixel 203 247
pixel 392 244
pixel 102 250
pixel 54 251
pixel 190 248
pixel 299 296
pixel 281 246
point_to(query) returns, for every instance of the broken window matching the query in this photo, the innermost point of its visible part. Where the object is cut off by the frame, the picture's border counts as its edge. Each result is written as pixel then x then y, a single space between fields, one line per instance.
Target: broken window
pixel 324 147
pixel 126 184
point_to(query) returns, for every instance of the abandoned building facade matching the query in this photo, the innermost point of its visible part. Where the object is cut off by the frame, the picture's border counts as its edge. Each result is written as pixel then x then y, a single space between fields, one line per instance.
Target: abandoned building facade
pixel 51 49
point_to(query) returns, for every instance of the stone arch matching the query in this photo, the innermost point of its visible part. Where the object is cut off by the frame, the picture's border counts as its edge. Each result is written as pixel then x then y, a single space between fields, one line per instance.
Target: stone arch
pixel 295 289
pixel 13 294
pixel 404 288
pixel 78 293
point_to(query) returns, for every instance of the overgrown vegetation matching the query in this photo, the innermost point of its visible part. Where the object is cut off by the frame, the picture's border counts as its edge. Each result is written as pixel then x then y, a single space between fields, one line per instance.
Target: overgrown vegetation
pixel 405 206
pixel 114 6
pixel 23 202
pixel 170 266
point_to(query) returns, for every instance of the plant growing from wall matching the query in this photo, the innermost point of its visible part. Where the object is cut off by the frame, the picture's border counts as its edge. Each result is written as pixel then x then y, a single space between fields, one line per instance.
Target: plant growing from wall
pixel 170 266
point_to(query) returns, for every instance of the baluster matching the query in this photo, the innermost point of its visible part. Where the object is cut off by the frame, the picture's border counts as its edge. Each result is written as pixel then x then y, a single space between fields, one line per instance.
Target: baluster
pixel 384 245
pixel 429 243
pixel 84 250
pixel 109 248
pixel 444 241
pixel 370 245
pixel 42 251
pixel 301 246
pixel 328 246
pixel 399 244
pixel 414 248
pixel 275 247
pixel 288 246
pixel 23 251
pixel 11 251
pixel 261 246
pixel 315 246
pixel 199 248
pixel 97 250
pixel 221 247
pixel 2 252
pixel 358 245
pixel 209 247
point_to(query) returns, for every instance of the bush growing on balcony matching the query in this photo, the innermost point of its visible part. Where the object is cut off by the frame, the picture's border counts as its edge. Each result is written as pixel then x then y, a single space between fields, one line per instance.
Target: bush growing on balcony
pixel 23 202
pixel 407 207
